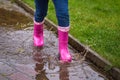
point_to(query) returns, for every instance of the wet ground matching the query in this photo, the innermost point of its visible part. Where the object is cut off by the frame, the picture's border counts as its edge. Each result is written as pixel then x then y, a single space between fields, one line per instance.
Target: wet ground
pixel 20 60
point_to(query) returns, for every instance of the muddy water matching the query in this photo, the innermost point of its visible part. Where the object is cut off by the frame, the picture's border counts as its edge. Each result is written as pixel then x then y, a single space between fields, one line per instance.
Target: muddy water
pixel 13 19
pixel 11 16
pixel 20 60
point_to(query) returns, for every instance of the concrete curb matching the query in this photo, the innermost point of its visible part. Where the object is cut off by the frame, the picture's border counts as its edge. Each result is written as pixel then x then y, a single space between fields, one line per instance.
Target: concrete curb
pixel 91 55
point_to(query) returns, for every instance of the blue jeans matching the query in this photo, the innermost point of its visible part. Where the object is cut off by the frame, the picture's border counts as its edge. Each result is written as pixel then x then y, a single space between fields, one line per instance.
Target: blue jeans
pixel 61 8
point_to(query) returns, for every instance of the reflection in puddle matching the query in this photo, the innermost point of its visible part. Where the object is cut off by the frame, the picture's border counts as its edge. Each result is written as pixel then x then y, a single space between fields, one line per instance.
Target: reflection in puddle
pixel 39 67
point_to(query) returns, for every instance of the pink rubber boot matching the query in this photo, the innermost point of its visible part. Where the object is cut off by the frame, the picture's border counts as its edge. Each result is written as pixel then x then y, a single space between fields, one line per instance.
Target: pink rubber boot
pixel 38 34
pixel 63 44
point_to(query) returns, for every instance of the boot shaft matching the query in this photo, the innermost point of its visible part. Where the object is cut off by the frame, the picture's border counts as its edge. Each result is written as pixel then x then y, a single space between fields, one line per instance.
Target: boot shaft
pixel 38 28
pixel 38 34
pixel 63 38
pixel 63 34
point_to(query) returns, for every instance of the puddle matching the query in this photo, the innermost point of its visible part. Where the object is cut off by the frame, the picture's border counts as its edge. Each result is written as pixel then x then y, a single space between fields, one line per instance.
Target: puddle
pixel 19 57
pixel 20 60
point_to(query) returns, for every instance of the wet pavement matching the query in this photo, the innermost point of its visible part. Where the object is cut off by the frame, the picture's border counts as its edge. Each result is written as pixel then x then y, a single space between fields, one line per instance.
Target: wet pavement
pixel 20 60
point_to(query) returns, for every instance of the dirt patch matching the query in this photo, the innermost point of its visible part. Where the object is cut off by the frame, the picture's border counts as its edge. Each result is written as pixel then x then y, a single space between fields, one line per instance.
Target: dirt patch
pixel 10 18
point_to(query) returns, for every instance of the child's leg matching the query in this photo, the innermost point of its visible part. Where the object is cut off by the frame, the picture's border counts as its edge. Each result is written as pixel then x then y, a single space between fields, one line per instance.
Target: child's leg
pixel 41 11
pixel 62 14
pixel 61 7
pixel 41 7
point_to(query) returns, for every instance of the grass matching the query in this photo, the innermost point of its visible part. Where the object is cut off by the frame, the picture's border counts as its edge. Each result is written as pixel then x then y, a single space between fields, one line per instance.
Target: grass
pixel 95 23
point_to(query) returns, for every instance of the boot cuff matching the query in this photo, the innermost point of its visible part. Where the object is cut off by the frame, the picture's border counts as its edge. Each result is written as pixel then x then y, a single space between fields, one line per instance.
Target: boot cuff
pixel 64 29
pixel 38 23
